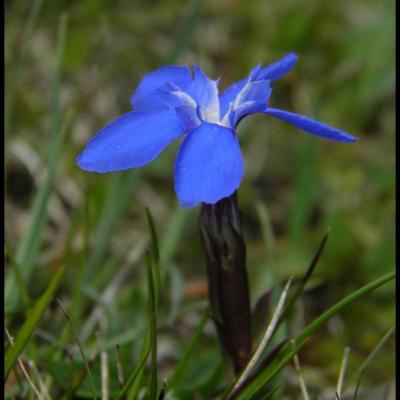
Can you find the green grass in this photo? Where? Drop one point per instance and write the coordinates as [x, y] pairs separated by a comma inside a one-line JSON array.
[[27, 329], [70, 69]]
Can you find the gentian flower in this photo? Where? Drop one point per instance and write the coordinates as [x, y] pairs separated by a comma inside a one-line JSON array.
[[169, 103]]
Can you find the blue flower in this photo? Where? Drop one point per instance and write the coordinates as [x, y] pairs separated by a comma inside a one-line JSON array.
[[170, 103]]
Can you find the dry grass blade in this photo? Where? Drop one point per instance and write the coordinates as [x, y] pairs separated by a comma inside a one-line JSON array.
[[104, 375], [42, 385], [137, 372], [120, 370], [264, 342], [163, 390], [23, 369], [342, 372], [298, 370]]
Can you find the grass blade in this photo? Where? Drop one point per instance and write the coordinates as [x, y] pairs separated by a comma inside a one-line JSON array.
[[342, 372], [21, 285], [302, 383], [136, 384], [120, 370], [358, 386], [142, 360], [32, 321], [155, 254], [154, 241], [104, 376], [23, 369], [152, 313], [287, 352], [339, 306]]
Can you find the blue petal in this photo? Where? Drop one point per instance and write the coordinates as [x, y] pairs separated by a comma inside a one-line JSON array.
[[185, 106], [132, 140], [209, 165], [173, 96], [252, 99], [146, 96], [205, 92], [273, 72], [312, 126], [188, 117], [278, 69], [228, 96]]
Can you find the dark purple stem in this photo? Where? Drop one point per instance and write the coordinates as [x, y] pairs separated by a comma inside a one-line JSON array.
[[225, 251]]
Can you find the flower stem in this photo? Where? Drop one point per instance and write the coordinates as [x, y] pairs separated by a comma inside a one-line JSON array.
[[225, 252]]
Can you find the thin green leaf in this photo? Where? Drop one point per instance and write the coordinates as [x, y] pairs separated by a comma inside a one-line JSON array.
[[23, 290], [358, 385], [270, 393], [137, 384], [31, 323], [120, 368], [339, 306], [139, 369], [154, 241], [152, 314], [287, 353], [154, 253], [181, 368]]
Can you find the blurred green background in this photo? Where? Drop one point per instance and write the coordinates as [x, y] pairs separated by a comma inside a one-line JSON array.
[[295, 186]]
